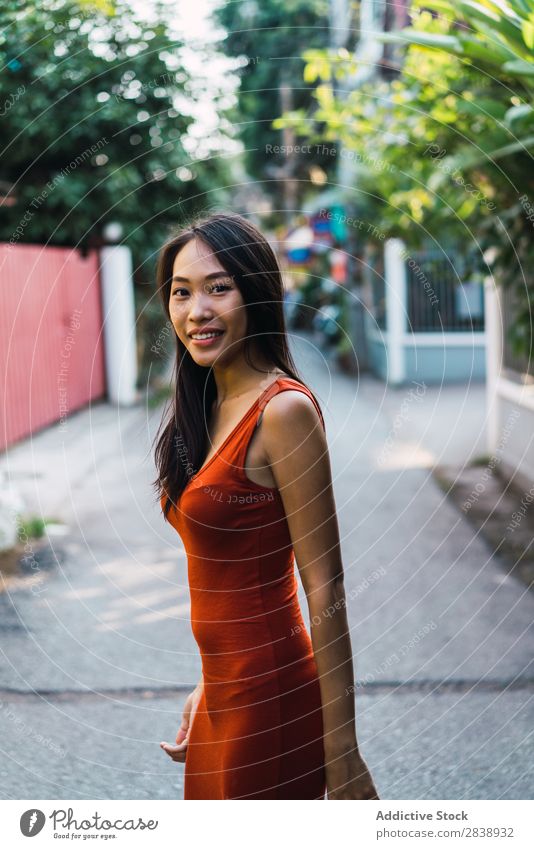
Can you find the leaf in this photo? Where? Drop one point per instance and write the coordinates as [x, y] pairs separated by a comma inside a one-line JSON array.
[[325, 95], [483, 106], [411, 36], [488, 51], [310, 72], [519, 67], [527, 29], [485, 17], [473, 158], [517, 113]]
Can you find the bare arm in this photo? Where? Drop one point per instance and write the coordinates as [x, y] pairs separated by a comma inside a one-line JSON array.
[[300, 464], [177, 750]]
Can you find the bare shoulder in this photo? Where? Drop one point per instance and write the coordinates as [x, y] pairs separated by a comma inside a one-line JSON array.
[[291, 416], [291, 405]]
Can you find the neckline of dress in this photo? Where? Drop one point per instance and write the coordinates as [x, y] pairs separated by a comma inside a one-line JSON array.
[[238, 425]]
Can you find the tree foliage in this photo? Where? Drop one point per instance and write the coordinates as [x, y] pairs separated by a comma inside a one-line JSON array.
[[271, 35], [94, 112], [453, 135]]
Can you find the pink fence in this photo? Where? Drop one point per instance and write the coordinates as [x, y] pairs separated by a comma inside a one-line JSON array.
[[51, 346]]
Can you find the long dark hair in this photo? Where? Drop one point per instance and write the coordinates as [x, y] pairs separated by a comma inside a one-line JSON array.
[[246, 255]]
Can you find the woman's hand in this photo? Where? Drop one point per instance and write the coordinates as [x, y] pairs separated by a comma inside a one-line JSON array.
[[178, 752], [349, 778]]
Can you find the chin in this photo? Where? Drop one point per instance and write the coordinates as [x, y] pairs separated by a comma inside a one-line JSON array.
[[204, 360], [207, 358]]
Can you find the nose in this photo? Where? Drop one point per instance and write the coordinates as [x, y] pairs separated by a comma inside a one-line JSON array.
[[199, 306]]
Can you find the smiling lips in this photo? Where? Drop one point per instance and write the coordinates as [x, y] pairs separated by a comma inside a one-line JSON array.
[[205, 337]]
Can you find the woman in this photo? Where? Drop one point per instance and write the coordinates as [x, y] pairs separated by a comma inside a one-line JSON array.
[[244, 477]]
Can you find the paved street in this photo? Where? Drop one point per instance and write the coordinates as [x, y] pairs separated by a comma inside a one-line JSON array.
[[97, 652]]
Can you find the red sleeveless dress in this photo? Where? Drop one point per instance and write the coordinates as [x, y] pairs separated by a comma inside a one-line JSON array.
[[258, 729]]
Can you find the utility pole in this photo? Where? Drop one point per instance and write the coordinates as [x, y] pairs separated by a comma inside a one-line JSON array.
[[287, 172], [340, 28], [339, 23]]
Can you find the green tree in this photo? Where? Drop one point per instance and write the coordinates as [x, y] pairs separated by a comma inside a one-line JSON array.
[[94, 113], [271, 35], [445, 150]]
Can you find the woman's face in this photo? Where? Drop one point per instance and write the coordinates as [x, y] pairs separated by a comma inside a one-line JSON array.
[[206, 298]]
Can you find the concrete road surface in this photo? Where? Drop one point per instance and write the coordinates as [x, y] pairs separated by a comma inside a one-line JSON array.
[[97, 654]]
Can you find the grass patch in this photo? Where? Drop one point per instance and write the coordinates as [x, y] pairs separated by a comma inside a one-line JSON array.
[[33, 527]]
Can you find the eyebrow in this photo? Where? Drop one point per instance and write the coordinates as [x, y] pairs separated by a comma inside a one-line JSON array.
[[213, 276]]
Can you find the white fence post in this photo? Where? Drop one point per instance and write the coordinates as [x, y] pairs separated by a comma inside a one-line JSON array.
[[11, 506], [119, 323], [395, 280], [493, 324]]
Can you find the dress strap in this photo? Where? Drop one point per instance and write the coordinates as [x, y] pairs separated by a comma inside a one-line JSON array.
[[236, 447], [281, 384]]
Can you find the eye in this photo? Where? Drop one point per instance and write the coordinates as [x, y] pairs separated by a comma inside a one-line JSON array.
[[220, 287], [178, 290]]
